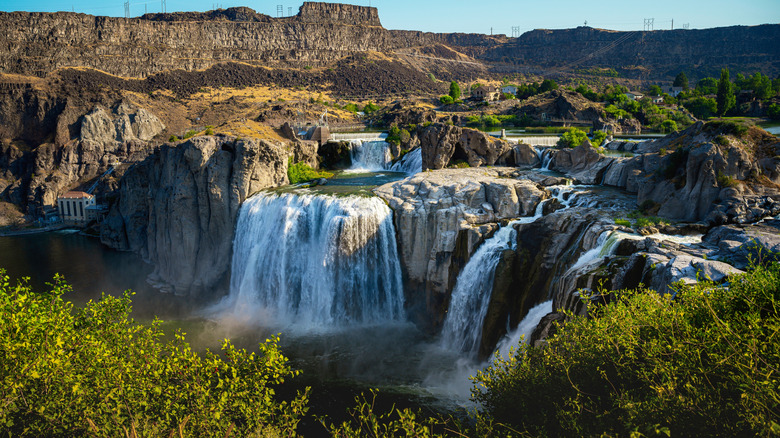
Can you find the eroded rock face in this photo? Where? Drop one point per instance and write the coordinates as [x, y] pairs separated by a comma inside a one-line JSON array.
[[125, 123], [444, 144], [178, 207], [440, 211]]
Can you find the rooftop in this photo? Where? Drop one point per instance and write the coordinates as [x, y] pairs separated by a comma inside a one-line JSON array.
[[76, 195]]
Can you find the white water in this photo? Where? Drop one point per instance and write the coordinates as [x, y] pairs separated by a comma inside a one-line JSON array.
[[370, 155], [546, 159], [547, 140], [411, 163], [315, 261], [368, 136], [524, 330]]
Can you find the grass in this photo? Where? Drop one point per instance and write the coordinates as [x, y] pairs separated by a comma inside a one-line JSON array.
[[302, 172]]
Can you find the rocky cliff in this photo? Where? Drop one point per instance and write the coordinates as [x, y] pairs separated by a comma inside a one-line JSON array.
[[178, 207], [38, 43]]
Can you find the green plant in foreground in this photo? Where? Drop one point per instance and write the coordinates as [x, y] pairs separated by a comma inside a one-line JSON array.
[[572, 138], [623, 222], [94, 371], [701, 363]]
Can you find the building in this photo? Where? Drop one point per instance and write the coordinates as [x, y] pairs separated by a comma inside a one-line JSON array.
[[672, 91], [657, 99], [486, 93], [73, 206], [633, 95], [511, 89]]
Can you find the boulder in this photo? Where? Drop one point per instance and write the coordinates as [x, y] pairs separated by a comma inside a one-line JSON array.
[[443, 144]]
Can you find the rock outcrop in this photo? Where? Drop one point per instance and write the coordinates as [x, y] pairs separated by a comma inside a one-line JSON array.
[[178, 207], [441, 216], [443, 145], [125, 123]]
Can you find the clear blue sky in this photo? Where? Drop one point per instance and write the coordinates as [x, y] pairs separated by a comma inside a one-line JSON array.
[[474, 16]]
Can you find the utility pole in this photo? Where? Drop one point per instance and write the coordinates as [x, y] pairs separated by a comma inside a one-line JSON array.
[[672, 23]]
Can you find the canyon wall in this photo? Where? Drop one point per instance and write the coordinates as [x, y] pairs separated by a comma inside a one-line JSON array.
[[38, 43]]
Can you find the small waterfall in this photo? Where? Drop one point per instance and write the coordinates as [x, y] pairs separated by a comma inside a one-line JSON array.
[[347, 136], [546, 159], [316, 261], [542, 140], [469, 303], [411, 163], [525, 329], [370, 155]]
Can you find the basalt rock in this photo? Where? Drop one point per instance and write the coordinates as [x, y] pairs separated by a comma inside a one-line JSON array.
[[440, 216], [443, 145], [178, 207]]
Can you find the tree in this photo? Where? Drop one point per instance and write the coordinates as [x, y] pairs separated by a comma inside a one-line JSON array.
[[446, 99], [701, 107], [668, 126], [681, 81], [707, 86], [454, 90], [726, 98], [572, 138], [773, 111], [548, 85], [655, 90]]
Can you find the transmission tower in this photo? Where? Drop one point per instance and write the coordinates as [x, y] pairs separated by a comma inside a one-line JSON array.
[[515, 31], [289, 11], [279, 10], [163, 6], [687, 26], [649, 23], [127, 9]]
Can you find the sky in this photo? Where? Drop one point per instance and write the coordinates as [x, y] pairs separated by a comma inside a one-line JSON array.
[[485, 16]]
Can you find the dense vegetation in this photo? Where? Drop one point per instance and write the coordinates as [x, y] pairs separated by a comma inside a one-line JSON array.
[[702, 362], [71, 372], [302, 172]]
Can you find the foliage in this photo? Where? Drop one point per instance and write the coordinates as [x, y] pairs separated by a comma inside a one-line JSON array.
[[547, 85], [701, 107], [616, 112], [209, 130], [446, 100], [370, 108], [726, 99], [707, 86], [302, 172], [681, 81], [701, 362], [599, 137], [351, 107], [668, 126], [94, 371], [726, 180], [572, 138], [773, 111], [587, 93], [454, 90], [173, 139], [650, 221], [655, 90], [623, 222], [190, 133]]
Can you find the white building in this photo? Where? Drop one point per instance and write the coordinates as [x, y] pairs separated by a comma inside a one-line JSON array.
[[633, 95], [672, 91], [511, 89], [73, 206]]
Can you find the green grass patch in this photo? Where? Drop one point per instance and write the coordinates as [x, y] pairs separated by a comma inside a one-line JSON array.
[[302, 172]]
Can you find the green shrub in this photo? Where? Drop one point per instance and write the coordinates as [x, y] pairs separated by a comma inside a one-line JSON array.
[[701, 364], [95, 372], [599, 137], [302, 172], [173, 139], [726, 180], [446, 100], [190, 133], [623, 222], [572, 138], [209, 130]]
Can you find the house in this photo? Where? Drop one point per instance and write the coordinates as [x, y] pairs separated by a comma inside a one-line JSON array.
[[485, 93], [511, 89], [672, 91], [633, 95], [73, 206], [657, 99]]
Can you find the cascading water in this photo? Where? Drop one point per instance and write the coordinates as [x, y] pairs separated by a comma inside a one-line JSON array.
[[411, 163], [370, 155], [546, 159], [316, 261], [524, 329]]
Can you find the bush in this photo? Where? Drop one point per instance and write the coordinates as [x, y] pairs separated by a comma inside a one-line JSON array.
[[599, 137], [773, 111], [701, 362], [209, 130], [446, 100], [726, 180], [95, 372], [173, 139], [370, 108], [572, 138], [302, 172], [190, 133], [623, 222]]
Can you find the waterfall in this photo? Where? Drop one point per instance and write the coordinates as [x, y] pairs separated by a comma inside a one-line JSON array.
[[542, 140], [370, 155], [470, 298], [316, 261], [525, 329], [410, 163], [546, 159]]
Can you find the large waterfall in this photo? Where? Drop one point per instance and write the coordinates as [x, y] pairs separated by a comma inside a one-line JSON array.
[[316, 261]]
